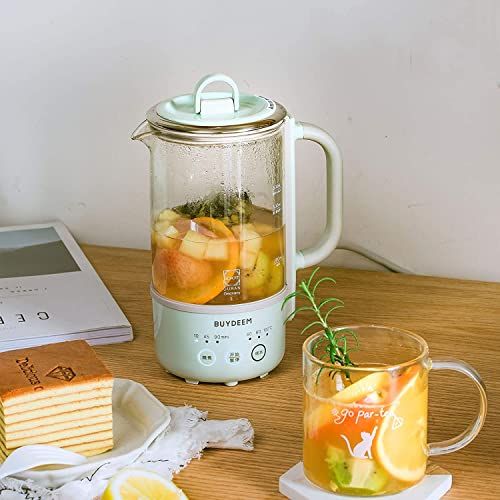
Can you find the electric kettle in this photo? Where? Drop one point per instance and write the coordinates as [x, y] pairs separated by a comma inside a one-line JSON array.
[[223, 230]]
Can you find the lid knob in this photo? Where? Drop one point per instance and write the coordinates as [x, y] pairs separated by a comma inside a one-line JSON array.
[[205, 105]]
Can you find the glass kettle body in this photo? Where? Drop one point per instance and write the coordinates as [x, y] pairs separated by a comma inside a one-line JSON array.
[[223, 233]]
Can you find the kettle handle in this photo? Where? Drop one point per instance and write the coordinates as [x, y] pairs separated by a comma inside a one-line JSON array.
[[333, 228]]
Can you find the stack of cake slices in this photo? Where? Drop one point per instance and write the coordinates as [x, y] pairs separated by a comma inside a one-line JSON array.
[[58, 394]]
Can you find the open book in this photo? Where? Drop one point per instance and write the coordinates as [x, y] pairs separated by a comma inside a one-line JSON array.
[[49, 292]]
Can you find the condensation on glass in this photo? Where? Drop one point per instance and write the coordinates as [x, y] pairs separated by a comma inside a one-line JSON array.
[[217, 227]]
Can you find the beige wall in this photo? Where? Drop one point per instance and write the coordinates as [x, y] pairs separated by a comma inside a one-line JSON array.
[[410, 89]]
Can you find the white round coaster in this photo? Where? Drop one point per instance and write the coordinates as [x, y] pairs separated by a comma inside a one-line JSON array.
[[295, 486]]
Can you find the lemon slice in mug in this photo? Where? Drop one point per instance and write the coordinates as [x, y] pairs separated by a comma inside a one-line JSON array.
[[373, 383], [401, 442], [140, 484]]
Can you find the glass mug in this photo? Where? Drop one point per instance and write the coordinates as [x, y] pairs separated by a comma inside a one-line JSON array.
[[365, 427]]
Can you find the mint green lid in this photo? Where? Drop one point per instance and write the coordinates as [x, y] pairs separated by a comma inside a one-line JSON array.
[[216, 109]]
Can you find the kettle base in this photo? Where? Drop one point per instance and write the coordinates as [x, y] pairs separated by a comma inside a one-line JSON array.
[[225, 347]]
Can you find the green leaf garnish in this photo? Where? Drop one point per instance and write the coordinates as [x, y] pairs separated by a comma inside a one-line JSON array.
[[336, 345], [229, 206]]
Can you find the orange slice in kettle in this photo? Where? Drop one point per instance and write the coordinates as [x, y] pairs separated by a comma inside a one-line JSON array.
[[183, 278]]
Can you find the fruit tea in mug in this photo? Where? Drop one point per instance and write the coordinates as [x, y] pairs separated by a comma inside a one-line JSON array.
[[365, 426]]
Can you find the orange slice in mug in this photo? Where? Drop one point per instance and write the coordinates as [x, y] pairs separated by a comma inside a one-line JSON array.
[[401, 445], [344, 414], [187, 279]]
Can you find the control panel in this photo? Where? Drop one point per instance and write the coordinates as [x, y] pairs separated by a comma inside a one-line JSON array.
[[256, 339], [220, 348]]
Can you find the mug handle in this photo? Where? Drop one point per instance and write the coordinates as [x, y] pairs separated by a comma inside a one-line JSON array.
[[463, 439], [328, 241]]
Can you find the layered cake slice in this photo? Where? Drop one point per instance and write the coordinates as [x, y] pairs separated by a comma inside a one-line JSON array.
[[58, 394]]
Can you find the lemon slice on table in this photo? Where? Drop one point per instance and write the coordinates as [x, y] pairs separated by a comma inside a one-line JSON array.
[[401, 442], [365, 386], [140, 484]]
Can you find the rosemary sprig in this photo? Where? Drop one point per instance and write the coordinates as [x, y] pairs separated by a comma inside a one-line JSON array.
[[337, 345]]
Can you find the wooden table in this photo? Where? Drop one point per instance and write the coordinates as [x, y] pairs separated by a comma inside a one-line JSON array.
[[458, 319]]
